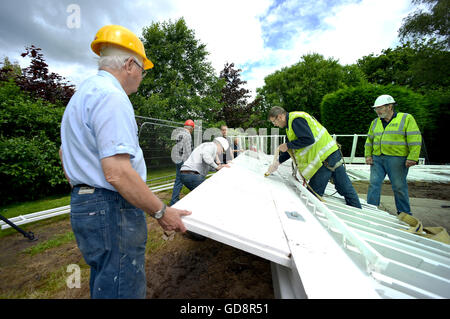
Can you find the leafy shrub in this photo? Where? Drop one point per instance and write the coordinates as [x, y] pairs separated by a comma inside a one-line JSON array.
[[29, 143], [349, 111], [30, 168], [21, 115], [435, 136]]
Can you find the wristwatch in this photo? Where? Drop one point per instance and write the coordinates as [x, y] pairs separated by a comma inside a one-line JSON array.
[[160, 213]]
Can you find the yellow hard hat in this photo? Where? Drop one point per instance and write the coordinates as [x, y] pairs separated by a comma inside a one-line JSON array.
[[121, 36]]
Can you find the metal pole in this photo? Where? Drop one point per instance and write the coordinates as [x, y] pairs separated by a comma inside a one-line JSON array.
[[355, 142], [28, 235]]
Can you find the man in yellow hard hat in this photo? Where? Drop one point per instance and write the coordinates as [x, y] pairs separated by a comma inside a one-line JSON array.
[[392, 146], [104, 163]]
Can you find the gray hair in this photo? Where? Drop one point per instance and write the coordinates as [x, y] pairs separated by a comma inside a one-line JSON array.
[[275, 111], [112, 62], [114, 57]]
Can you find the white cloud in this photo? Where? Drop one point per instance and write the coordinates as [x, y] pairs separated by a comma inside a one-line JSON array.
[[257, 35], [359, 29], [230, 29], [346, 32]]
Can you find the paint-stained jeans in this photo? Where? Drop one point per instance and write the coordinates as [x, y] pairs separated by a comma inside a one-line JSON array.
[[111, 235], [394, 167]]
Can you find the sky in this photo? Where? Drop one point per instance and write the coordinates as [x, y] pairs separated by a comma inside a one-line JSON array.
[[258, 36]]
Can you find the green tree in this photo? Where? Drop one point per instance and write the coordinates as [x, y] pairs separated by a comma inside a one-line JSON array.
[[432, 23], [9, 70], [418, 65], [303, 85], [235, 109], [182, 83]]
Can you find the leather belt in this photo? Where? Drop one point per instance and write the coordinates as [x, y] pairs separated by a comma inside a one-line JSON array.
[[190, 172]]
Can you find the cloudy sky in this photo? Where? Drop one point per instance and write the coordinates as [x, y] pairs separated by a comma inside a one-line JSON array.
[[258, 36]]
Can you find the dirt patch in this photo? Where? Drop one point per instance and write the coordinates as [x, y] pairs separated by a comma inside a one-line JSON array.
[[416, 189], [184, 268], [23, 275]]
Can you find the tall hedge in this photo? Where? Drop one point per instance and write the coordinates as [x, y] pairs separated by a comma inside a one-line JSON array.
[[436, 135], [349, 110], [29, 144]]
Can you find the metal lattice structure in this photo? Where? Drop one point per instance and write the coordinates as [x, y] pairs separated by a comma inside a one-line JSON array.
[[317, 249], [155, 139]]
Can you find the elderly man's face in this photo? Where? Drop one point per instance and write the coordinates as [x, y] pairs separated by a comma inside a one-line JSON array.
[[135, 73], [224, 130], [383, 110]]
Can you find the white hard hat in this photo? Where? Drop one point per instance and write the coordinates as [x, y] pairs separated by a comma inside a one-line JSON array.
[[223, 142], [383, 100]]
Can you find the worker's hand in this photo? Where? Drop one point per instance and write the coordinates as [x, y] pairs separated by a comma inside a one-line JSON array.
[[369, 160], [222, 166], [410, 163], [283, 147], [172, 219], [273, 168]]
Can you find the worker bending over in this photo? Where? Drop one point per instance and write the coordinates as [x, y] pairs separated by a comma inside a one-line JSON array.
[[316, 153], [201, 161], [197, 166]]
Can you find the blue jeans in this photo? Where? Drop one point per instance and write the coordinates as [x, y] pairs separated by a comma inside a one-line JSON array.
[[111, 235], [191, 181], [177, 186], [394, 167], [342, 182]]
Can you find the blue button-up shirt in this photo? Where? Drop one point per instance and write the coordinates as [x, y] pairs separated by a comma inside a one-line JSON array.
[[99, 122]]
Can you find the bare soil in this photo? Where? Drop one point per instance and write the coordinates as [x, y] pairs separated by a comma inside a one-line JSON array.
[[415, 189], [177, 267]]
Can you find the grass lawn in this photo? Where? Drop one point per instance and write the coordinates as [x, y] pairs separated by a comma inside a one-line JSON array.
[[160, 172], [55, 201], [23, 208], [17, 209]]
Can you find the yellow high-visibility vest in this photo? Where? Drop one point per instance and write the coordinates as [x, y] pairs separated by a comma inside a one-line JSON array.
[[309, 159], [401, 137]]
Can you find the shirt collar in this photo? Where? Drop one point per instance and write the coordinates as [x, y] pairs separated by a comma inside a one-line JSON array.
[[112, 78], [393, 116]]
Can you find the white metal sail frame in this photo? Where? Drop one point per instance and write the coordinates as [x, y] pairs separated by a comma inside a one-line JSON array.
[[234, 207], [419, 173], [330, 250]]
